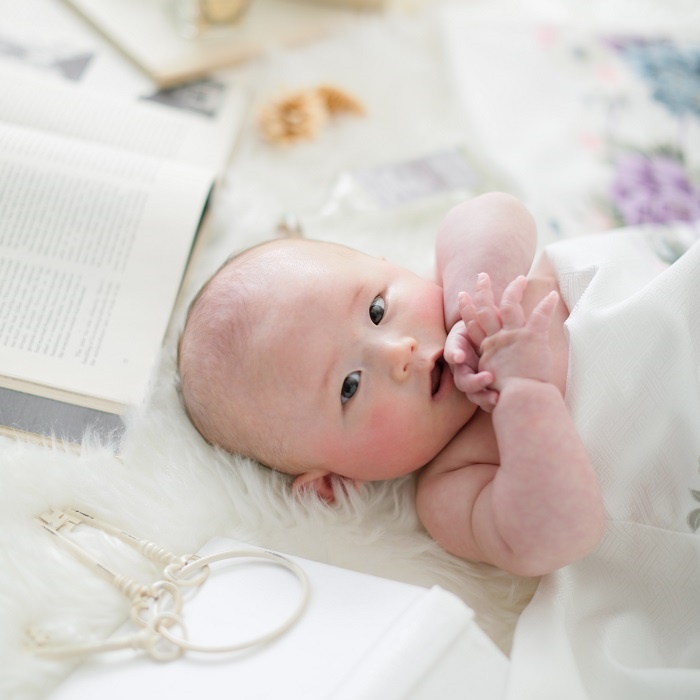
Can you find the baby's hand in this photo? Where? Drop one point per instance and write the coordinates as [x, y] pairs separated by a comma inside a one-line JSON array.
[[462, 357], [462, 350], [510, 346]]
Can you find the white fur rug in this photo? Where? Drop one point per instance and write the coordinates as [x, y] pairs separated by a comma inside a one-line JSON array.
[[172, 488]]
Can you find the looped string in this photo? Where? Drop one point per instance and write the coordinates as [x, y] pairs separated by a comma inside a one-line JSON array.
[[159, 597], [157, 609], [174, 571]]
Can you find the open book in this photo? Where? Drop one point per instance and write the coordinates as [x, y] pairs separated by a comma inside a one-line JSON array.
[[101, 201]]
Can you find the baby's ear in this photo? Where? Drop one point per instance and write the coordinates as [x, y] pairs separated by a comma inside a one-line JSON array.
[[321, 482]]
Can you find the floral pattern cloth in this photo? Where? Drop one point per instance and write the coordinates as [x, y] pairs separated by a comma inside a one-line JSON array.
[[671, 71], [593, 131], [657, 186]]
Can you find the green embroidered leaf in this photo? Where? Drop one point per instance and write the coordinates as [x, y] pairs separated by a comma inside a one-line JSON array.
[[695, 494], [694, 520]]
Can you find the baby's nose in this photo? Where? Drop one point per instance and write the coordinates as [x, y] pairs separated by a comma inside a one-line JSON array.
[[399, 353]]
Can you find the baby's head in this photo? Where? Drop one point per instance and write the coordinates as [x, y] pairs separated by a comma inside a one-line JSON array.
[[318, 360]]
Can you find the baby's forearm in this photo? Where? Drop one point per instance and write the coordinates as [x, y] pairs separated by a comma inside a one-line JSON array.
[[546, 501]]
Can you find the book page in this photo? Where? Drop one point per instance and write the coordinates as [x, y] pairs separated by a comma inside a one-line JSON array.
[[93, 246], [203, 135]]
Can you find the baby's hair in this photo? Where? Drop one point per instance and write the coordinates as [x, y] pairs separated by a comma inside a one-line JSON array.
[[214, 328], [188, 387], [211, 352]]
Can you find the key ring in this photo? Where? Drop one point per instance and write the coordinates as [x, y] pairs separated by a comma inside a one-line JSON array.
[[158, 608], [278, 559]]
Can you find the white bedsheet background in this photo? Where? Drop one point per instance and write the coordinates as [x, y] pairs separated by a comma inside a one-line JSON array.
[[624, 622]]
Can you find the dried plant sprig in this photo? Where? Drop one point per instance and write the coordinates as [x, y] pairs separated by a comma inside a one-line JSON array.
[[338, 101], [300, 115]]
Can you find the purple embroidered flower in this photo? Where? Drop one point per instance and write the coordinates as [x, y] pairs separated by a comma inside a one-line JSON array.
[[673, 72], [653, 188]]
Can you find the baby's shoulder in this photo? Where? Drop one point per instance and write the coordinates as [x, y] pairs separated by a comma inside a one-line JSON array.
[[542, 268], [541, 280]]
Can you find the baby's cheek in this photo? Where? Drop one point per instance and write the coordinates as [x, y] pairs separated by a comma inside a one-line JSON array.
[[392, 428], [383, 415]]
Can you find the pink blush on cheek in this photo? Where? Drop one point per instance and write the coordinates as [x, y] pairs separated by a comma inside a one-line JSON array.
[[389, 439], [380, 427]]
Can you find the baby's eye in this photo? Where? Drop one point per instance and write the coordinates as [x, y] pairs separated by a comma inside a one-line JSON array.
[[351, 384], [376, 310]]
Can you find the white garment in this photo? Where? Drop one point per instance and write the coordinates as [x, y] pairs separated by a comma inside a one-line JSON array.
[[625, 621]]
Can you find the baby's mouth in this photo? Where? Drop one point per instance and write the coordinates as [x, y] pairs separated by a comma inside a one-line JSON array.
[[436, 375]]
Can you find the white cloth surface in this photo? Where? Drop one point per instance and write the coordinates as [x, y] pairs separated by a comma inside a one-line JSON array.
[[377, 650], [624, 622]]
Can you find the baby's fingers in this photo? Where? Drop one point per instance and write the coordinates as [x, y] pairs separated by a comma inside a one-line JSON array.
[[512, 314], [541, 316], [470, 382], [486, 311], [466, 307], [457, 339], [468, 310]]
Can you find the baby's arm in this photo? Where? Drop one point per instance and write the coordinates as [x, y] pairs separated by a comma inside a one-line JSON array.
[[541, 508], [492, 233]]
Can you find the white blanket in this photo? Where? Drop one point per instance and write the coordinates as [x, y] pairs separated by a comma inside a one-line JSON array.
[[625, 621]]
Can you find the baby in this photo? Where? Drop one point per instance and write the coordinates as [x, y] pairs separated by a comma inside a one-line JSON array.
[[323, 362]]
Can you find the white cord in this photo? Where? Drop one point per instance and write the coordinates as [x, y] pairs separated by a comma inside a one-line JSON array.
[[158, 609], [262, 639]]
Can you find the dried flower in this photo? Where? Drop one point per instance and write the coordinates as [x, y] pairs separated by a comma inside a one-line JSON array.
[[337, 101], [294, 117], [300, 115]]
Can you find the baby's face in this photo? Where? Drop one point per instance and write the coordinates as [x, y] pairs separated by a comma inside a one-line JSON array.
[[348, 369]]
